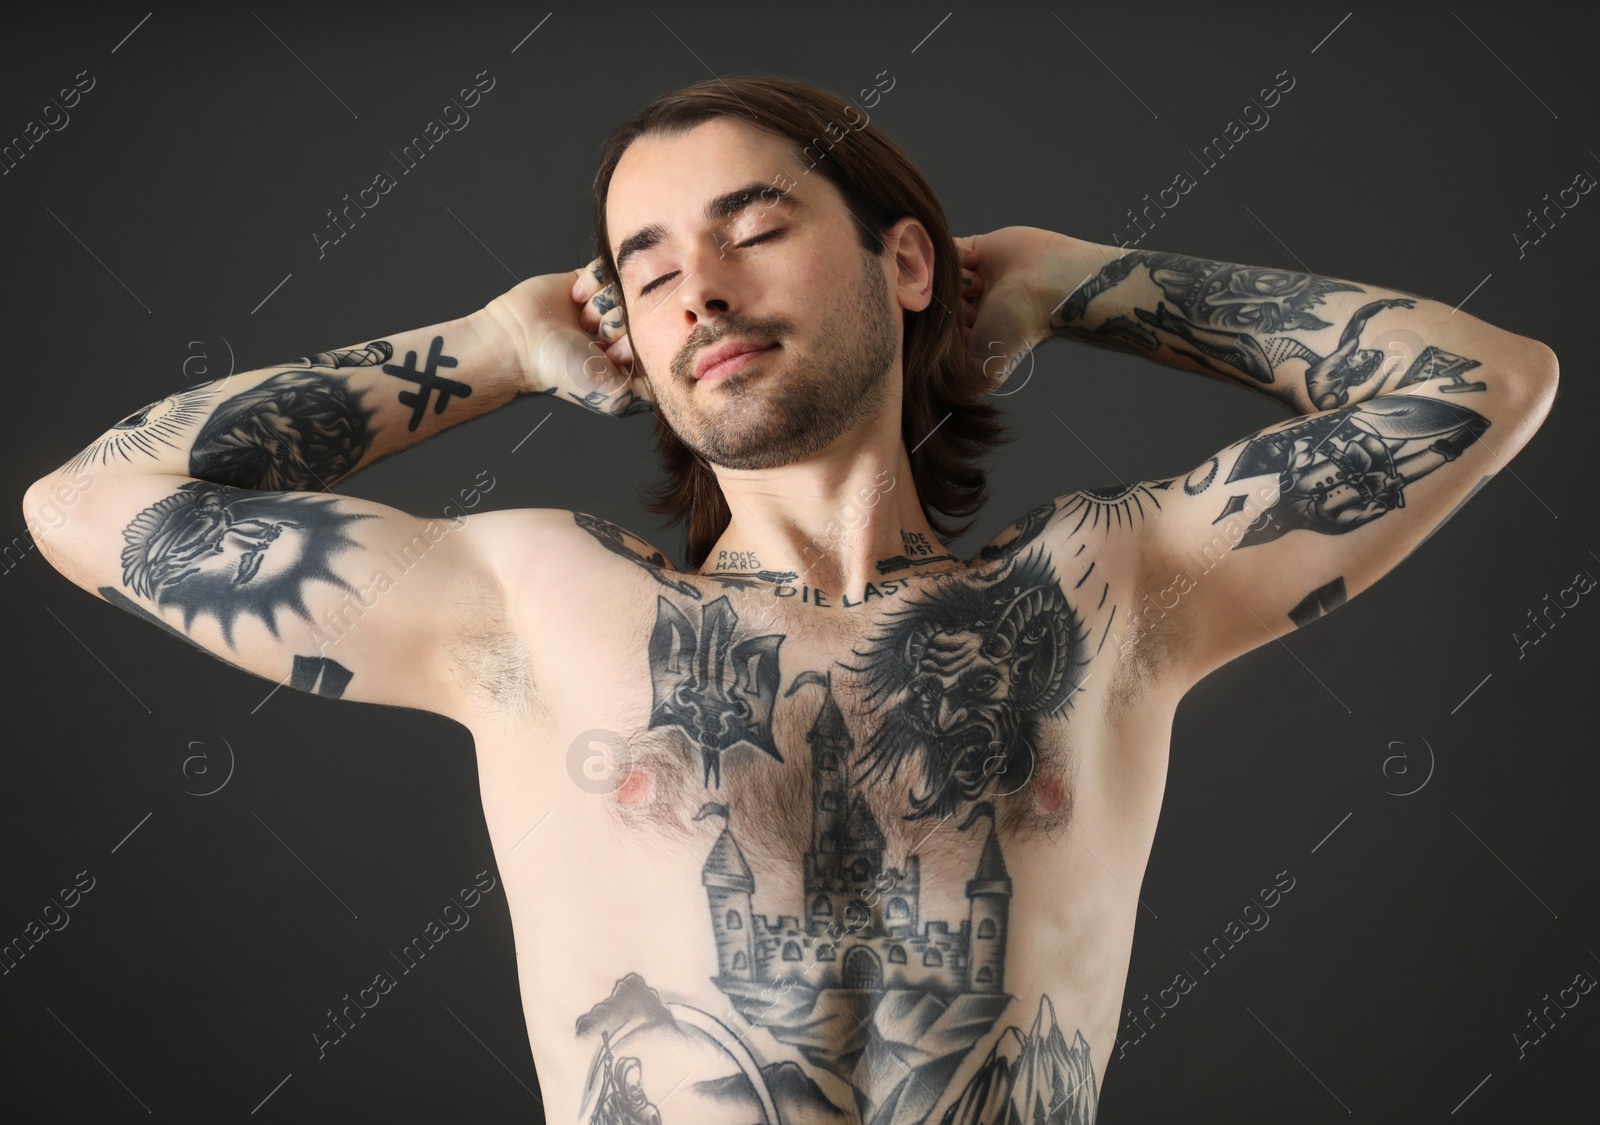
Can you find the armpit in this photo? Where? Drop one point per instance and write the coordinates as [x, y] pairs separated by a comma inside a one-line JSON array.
[[489, 660]]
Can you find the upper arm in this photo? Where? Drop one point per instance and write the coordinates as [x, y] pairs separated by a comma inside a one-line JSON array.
[[326, 593], [1287, 524]]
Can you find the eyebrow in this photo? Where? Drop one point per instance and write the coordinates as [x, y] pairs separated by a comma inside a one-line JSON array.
[[724, 206]]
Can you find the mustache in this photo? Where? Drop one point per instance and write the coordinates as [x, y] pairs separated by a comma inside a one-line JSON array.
[[768, 329]]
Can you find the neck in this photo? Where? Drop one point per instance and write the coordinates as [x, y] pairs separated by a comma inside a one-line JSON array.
[[837, 521]]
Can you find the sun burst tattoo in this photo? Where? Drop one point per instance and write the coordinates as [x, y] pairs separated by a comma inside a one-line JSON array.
[[212, 549], [148, 429], [1117, 503]]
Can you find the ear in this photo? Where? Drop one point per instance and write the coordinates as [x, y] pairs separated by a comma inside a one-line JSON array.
[[914, 263]]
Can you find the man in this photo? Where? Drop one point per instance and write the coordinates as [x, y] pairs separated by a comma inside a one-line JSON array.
[[846, 827]]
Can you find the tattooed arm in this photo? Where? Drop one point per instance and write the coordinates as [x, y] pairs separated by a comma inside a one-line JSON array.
[[1312, 343], [202, 513], [1408, 406]]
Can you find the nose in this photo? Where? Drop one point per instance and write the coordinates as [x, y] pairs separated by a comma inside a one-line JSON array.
[[710, 286], [950, 713]]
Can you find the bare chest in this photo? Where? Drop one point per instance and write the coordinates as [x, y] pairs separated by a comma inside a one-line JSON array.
[[746, 805], [931, 703]]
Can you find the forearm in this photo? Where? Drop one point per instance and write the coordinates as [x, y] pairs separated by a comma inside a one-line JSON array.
[[307, 424], [1313, 343]]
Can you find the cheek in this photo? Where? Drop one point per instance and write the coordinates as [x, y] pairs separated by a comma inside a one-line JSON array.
[[651, 358]]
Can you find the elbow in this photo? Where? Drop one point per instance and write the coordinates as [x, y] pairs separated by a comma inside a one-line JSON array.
[[41, 513], [1545, 362], [47, 508], [1530, 375], [1543, 375], [37, 500]]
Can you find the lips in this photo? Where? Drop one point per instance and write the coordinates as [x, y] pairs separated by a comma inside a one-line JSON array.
[[713, 356]]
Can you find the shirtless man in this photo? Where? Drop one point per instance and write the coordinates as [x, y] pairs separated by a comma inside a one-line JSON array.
[[840, 826]]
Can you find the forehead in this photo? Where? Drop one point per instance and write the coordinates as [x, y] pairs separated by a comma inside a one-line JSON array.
[[668, 179]]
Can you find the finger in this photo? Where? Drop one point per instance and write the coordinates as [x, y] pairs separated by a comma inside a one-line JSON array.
[[583, 282], [612, 326], [598, 306], [621, 355], [589, 279]]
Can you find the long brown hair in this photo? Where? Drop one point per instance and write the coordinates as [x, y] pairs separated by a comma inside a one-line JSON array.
[[944, 422]]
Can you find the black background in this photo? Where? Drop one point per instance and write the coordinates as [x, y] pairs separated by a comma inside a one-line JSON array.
[[1389, 981]]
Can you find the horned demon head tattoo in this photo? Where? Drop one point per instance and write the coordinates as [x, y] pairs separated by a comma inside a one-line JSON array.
[[965, 676]]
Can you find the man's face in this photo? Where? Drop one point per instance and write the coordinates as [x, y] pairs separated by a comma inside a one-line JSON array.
[[785, 269]]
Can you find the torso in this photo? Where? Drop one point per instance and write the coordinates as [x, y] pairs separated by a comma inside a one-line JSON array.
[[741, 848]]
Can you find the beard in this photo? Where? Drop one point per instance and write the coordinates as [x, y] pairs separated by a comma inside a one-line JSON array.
[[819, 398]]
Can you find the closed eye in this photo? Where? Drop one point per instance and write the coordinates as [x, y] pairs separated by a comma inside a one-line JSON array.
[[748, 242]]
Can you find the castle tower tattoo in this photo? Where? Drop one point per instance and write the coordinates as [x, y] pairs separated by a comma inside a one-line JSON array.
[[859, 977], [990, 893], [860, 929], [729, 885]]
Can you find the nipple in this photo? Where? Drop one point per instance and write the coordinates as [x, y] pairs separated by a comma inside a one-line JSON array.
[[633, 787], [1047, 793]]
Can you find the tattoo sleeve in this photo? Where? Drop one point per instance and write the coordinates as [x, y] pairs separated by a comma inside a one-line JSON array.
[[1312, 343], [305, 425]]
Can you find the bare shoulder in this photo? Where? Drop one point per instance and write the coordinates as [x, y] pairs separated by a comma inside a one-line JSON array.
[[544, 561], [556, 545], [553, 575]]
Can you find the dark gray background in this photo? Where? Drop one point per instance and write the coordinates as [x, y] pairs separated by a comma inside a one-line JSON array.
[[1389, 981]]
